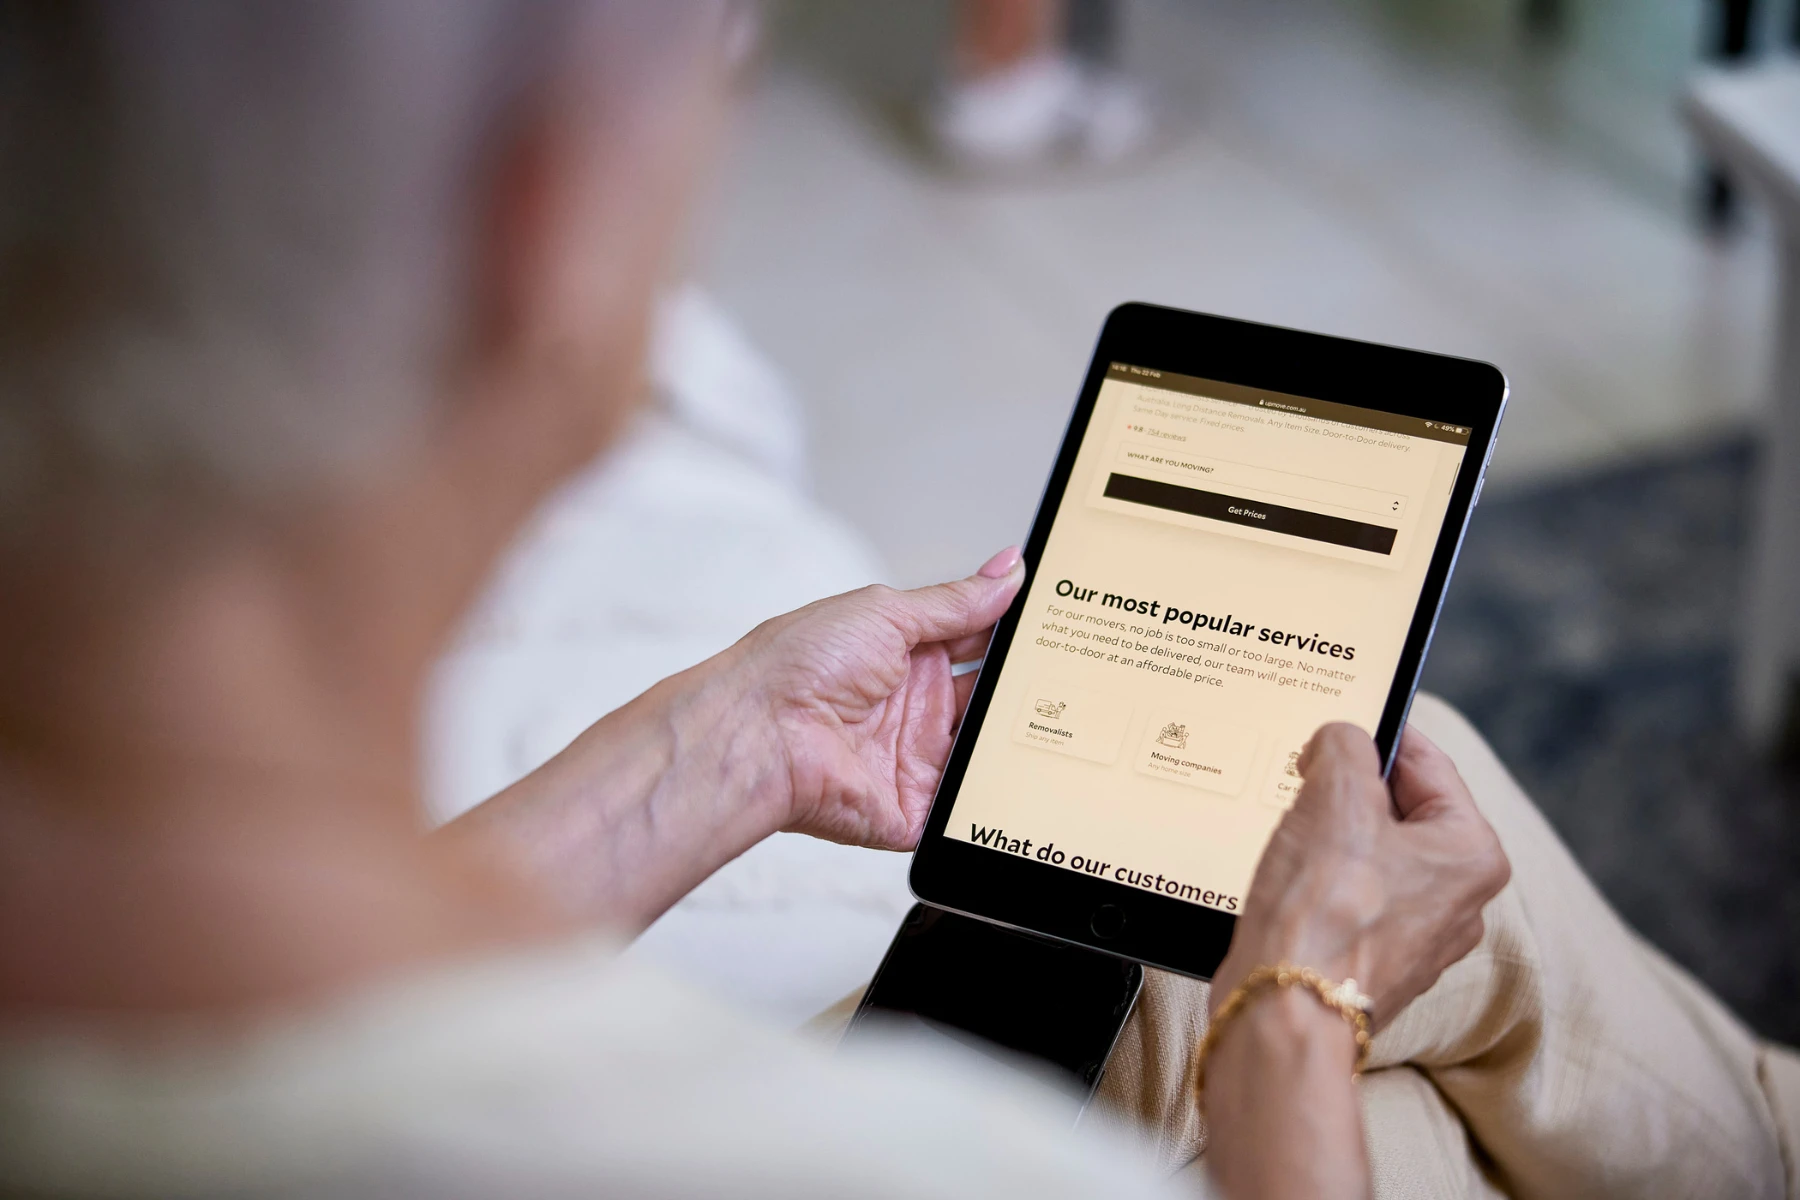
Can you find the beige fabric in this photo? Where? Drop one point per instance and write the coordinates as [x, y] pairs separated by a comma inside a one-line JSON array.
[[1149, 1080], [1564, 1057], [1418, 1146]]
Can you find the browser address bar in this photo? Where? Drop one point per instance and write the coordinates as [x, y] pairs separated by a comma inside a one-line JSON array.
[[1266, 481]]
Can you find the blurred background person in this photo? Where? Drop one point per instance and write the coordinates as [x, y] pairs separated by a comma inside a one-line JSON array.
[[1036, 82]]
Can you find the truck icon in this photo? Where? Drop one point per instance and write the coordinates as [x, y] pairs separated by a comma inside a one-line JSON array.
[[1173, 736], [1050, 709]]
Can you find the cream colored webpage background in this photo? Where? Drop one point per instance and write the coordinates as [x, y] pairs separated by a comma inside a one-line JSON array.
[[1159, 752]]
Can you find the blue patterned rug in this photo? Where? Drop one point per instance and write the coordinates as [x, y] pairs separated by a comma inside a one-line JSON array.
[[1589, 633]]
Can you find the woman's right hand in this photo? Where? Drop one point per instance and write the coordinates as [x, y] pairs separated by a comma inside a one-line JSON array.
[[1360, 883]]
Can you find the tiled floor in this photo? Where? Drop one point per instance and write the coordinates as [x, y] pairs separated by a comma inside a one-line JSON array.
[[1321, 173]]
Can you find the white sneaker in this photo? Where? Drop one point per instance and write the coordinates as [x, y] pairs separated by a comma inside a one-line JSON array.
[[1046, 109], [1118, 121]]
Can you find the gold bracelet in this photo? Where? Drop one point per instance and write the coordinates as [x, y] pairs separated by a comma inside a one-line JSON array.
[[1344, 998]]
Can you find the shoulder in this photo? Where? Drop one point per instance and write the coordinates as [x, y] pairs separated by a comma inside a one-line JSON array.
[[573, 1071]]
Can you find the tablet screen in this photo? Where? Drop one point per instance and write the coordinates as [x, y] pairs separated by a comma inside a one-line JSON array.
[[1228, 569]]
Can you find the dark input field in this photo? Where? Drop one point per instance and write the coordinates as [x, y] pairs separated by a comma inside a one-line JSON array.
[[1295, 522]]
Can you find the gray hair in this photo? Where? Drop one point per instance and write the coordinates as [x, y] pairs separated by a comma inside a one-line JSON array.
[[234, 234]]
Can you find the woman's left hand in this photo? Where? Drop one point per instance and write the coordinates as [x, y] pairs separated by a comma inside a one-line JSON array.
[[858, 694]]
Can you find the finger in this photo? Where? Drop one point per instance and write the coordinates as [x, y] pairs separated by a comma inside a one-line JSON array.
[[948, 612], [1339, 767], [964, 686], [1001, 565], [971, 648], [1469, 937], [1457, 943], [1423, 773], [1339, 746]]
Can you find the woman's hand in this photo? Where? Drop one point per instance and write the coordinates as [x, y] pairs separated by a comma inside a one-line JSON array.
[[1385, 888], [860, 704], [835, 720], [1356, 884]]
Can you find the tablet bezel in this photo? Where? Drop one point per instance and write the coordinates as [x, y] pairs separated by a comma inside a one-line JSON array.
[[1113, 917]]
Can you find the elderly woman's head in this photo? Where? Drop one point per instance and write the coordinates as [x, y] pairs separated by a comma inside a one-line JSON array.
[[345, 286], [251, 250]]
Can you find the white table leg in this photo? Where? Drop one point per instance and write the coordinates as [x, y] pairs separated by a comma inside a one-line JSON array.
[[1769, 671]]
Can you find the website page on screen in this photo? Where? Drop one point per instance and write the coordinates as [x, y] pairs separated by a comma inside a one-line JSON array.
[[1228, 570]]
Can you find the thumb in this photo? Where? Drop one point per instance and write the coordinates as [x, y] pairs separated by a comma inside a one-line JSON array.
[[1340, 765], [1423, 774], [946, 611]]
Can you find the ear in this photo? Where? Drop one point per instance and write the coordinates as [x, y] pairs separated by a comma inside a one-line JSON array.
[[513, 237], [574, 237]]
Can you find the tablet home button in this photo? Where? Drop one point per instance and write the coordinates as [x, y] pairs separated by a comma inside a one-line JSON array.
[[1108, 921]]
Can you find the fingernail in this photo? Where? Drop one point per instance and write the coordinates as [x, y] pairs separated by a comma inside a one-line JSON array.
[[1001, 565]]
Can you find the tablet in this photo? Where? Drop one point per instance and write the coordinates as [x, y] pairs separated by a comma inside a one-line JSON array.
[[1247, 534]]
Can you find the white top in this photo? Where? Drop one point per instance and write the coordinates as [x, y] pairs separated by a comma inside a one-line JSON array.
[[556, 1073]]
